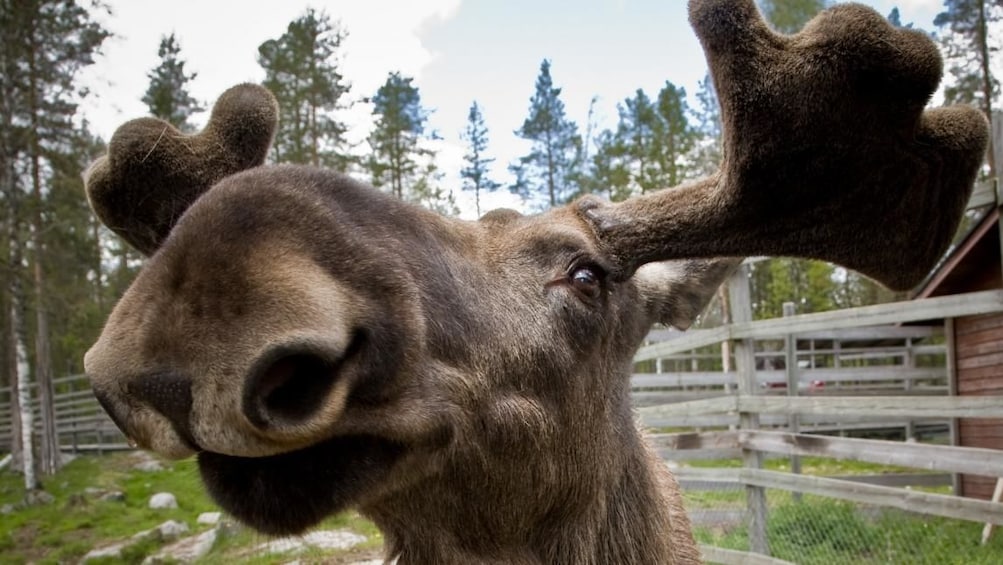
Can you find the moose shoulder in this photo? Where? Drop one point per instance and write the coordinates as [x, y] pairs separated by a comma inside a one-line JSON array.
[[319, 345]]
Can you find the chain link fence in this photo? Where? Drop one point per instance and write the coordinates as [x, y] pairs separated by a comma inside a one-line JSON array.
[[809, 529]]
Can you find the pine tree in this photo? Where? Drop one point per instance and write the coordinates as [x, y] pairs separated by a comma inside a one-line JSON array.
[[302, 69], [707, 154], [46, 43], [401, 158], [967, 28], [167, 96], [789, 16], [551, 166], [675, 137], [610, 168], [638, 131], [475, 173]]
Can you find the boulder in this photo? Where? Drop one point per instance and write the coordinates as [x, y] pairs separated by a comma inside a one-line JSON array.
[[163, 500], [209, 518]]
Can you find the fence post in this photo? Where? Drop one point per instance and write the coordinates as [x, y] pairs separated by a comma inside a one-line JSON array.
[[910, 363], [745, 365], [950, 346], [793, 389]]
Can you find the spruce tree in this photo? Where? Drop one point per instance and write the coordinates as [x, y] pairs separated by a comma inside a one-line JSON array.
[[706, 155], [610, 167], [401, 159], [789, 16], [675, 137], [551, 166], [638, 132], [46, 43], [967, 29], [167, 96], [475, 172], [302, 69]]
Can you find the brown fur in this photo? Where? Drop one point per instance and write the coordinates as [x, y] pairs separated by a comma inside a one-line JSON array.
[[320, 345], [828, 153]]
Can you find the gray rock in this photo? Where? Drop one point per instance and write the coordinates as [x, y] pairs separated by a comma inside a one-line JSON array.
[[91, 491], [113, 551], [209, 518], [323, 539], [7, 509], [38, 498], [113, 496], [172, 529], [186, 550], [163, 500], [149, 466]]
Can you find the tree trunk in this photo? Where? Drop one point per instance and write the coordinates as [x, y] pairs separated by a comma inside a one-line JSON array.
[[43, 371], [987, 79], [19, 364]]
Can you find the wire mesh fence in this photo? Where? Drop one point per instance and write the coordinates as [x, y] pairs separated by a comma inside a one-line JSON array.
[[809, 529]]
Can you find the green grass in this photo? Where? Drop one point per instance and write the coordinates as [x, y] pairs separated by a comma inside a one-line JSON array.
[[75, 522]]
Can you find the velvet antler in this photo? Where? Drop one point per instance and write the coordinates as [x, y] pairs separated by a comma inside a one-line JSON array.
[[827, 151], [153, 172]]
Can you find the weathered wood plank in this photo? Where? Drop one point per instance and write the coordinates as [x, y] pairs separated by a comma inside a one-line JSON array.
[[984, 194], [970, 324], [694, 378], [712, 554], [874, 333], [692, 339], [888, 406], [914, 501], [696, 408], [705, 440], [895, 312], [929, 457]]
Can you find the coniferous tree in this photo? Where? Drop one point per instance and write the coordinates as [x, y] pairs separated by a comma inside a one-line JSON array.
[[707, 154], [789, 16], [402, 159], [167, 96], [475, 172], [638, 131], [46, 43], [968, 28], [551, 166], [610, 167], [675, 137], [302, 69]]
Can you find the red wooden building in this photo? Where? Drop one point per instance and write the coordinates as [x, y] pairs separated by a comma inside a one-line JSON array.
[[974, 265]]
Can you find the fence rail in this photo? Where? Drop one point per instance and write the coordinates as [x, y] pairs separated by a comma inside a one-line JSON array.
[[795, 386]]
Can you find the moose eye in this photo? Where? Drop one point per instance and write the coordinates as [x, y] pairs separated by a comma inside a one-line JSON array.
[[587, 281]]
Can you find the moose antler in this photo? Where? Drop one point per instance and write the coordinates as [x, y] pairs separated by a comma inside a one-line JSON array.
[[827, 151], [153, 172]]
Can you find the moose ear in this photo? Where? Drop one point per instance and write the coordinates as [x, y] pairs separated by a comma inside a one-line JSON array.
[[153, 172], [677, 291], [827, 152]]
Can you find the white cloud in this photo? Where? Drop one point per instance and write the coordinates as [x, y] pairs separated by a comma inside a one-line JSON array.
[[219, 40]]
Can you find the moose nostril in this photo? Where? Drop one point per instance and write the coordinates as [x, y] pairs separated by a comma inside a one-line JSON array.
[[289, 389], [170, 394]]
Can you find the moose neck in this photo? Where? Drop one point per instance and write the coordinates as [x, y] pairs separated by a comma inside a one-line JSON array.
[[608, 499]]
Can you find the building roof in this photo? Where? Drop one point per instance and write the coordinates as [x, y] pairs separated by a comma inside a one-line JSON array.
[[973, 264]]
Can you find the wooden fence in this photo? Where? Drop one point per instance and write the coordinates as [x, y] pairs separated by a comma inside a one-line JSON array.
[[81, 424], [799, 384]]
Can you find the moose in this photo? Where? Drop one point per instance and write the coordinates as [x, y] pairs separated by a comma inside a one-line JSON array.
[[319, 345]]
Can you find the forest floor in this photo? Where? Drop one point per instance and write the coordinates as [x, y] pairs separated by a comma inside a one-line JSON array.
[[101, 502]]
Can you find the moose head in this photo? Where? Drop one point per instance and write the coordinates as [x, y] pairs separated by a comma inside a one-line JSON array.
[[319, 345]]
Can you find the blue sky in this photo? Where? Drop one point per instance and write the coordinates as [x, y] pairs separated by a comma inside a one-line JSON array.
[[457, 50]]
